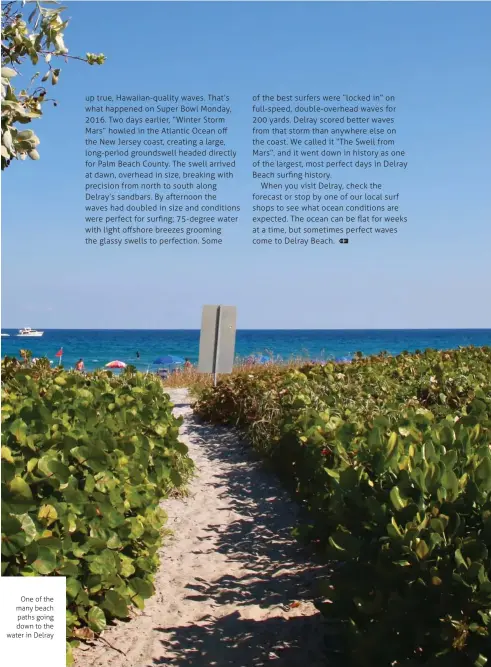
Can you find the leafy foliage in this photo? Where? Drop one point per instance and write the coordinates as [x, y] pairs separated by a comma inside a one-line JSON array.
[[391, 457], [39, 36], [85, 462]]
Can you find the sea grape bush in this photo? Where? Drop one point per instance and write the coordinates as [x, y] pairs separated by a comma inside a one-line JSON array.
[[85, 462], [391, 456], [406, 509]]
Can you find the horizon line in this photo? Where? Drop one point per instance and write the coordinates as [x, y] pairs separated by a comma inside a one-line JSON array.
[[265, 329]]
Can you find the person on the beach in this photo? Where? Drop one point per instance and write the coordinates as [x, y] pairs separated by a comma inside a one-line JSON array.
[[79, 366], [187, 364]]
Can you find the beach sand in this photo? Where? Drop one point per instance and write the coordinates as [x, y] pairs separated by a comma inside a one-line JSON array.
[[228, 574]]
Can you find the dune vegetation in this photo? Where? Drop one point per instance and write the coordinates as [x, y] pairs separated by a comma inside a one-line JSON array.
[[86, 459], [390, 458]]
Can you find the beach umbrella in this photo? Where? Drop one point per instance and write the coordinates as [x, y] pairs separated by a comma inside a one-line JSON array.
[[167, 360], [263, 359], [116, 364], [59, 354]]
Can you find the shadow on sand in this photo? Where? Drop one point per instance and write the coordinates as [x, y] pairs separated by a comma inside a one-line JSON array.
[[278, 572], [234, 641]]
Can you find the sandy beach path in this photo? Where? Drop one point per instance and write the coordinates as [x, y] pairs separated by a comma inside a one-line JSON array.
[[228, 574]]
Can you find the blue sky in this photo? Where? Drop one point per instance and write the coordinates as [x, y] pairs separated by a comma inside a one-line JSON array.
[[434, 57]]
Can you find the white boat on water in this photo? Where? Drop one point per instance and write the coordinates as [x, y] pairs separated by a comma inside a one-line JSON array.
[[27, 331], [5, 334]]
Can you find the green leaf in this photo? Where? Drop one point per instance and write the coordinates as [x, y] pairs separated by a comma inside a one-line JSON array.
[[375, 438], [396, 499], [8, 471], [19, 430], [459, 559], [103, 564], [45, 562], [73, 587], [69, 569], [31, 464], [96, 619], [143, 588], [483, 471], [115, 604], [450, 482], [60, 470], [69, 655], [21, 490], [391, 444], [345, 543], [393, 529], [47, 514], [176, 478], [127, 567], [422, 550], [437, 526], [7, 454], [28, 528], [348, 478]]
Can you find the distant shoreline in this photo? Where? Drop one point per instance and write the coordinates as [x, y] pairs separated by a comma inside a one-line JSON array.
[[415, 329]]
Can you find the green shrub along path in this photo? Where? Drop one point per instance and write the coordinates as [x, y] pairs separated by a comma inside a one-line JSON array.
[[381, 468], [85, 463], [391, 460], [234, 587], [93, 473]]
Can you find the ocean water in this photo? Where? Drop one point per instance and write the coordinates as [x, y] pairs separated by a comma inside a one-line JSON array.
[[98, 347]]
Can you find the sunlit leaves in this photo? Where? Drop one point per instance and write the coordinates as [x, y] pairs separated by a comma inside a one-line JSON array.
[[80, 494], [27, 37], [391, 458]]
